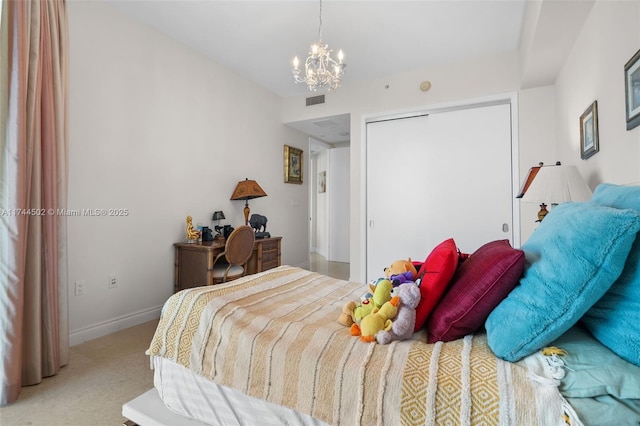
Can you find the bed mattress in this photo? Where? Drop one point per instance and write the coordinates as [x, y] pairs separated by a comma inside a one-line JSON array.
[[195, 397]]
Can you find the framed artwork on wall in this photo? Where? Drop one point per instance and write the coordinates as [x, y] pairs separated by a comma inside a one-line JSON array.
[[293, 162], [632, 90], [589, 143], [322, 182]]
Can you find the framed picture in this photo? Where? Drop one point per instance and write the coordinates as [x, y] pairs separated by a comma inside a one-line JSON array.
[[293, 163], [632, 90], [322, 182], [589, 144]]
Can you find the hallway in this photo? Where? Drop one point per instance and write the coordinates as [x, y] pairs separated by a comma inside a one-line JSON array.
[[321, 265]]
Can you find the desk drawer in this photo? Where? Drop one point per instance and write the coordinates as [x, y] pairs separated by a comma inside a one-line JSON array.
[[268, 245], [270, 260]]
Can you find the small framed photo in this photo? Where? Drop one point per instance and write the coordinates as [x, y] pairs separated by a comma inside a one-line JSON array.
[[632, 90], [589, 144], [322, 182], [293, 162]]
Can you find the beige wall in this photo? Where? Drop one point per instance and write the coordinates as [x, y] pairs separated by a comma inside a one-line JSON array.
[[154, 126], [460, 83], [548, 116], [595, 71], [163, 132]]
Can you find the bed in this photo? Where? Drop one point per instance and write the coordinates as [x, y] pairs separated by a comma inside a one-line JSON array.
[[531, 341]]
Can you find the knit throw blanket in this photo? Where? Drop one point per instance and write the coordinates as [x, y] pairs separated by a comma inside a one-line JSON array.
[[275, 336]]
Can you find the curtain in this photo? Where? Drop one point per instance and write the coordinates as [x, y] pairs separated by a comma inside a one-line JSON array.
[[33, 192]]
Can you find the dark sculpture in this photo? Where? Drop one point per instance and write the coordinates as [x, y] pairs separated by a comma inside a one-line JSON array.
[[258, 222]]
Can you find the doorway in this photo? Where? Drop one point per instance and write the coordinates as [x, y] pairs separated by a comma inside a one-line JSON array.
[[329, 186]]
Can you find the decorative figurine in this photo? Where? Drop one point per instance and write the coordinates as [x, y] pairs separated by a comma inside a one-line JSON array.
[[192, 234], [258, 222]]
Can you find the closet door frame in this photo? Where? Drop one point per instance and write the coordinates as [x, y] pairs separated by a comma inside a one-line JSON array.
[[503, 99]]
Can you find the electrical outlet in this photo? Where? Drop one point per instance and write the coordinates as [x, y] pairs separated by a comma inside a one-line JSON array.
[[81, 288], [113, 281]]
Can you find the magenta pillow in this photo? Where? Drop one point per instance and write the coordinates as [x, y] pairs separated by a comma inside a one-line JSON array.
[[434, 275], [478, 286]]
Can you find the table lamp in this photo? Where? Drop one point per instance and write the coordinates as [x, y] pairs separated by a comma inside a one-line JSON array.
[[554, 185], [246, 190]]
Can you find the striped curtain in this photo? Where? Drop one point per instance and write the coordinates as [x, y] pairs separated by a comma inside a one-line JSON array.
[[33, 186]]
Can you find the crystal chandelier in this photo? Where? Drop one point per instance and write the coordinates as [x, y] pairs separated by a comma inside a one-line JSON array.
[[320, 69]]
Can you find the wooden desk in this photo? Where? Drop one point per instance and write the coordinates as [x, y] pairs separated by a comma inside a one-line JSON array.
[[194, 262]]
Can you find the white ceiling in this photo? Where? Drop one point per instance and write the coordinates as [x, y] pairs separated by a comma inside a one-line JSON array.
[[258, 39]]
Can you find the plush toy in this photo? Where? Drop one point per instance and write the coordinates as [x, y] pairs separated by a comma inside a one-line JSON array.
[[398, 279], [378, 320], [404, 322], [353, 313], [347, 316], [401, 267]]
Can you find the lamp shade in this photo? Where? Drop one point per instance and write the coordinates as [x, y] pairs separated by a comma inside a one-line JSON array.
[[247, 189], [218, 215], [557, 184]]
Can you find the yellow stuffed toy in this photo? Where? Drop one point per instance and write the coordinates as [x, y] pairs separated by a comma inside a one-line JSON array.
[[354, 312], [404, 270], [379, 320]]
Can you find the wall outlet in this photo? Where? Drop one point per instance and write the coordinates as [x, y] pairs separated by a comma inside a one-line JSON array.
[[81, 288], [113, 281]]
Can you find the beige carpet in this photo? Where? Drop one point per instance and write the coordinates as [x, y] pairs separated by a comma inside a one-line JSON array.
[[102, 375]]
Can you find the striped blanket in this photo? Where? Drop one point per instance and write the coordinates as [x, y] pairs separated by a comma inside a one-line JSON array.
[[274, 336]]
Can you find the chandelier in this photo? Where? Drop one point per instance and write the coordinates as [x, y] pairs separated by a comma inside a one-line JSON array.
[[320, 69]]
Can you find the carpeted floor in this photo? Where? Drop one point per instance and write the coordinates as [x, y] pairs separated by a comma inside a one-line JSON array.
[[102, 375]]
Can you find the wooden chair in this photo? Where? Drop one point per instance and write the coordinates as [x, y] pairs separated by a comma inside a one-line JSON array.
[[237, 251]]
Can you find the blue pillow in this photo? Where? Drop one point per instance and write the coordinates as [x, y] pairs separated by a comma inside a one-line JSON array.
[[572, 259], [615, 319]]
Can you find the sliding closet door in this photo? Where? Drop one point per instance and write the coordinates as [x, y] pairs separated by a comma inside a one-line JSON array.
[[430, 178]]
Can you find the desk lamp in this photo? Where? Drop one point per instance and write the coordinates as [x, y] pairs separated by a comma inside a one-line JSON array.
[[246, 190], [218, 216]]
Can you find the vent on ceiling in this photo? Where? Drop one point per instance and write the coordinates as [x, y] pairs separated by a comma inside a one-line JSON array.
[[315, 100], [326, 123]]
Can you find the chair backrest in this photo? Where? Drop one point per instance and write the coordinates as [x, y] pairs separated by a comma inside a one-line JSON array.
[[239, 245]]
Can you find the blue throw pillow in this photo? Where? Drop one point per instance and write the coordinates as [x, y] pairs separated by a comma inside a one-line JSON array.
[[615, 319], [572, 259]]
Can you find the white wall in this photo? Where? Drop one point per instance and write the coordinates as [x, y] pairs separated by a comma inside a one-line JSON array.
[[338, 188], [321, 219], [537, 143], [330, 209], [548, 116], [595, 71], [452, 83], [163, 132]]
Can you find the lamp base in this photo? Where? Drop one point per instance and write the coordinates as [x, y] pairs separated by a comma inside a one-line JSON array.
[[246, 213], [543, 212]]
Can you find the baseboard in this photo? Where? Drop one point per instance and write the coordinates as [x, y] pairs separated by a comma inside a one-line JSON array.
[[111, 326]]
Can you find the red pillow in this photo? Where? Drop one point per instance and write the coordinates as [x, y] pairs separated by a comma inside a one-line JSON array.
[[478, 286], [435, 274]]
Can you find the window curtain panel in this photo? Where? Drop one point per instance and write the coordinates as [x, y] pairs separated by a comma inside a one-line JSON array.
[[34, 335]]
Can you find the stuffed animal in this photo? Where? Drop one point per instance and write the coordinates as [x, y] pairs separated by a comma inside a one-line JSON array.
[[353, 313], [401, 267], [347, 316], [398, 279], [381, 295], [378, 320], [404, 322]]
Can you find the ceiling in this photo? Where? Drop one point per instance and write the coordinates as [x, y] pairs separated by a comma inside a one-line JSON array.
[[258, 39]]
